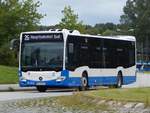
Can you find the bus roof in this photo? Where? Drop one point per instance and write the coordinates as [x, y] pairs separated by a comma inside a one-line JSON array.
[[118, 37], [77, 33]]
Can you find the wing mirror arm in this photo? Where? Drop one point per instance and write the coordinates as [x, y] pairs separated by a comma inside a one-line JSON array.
[[14, 44]]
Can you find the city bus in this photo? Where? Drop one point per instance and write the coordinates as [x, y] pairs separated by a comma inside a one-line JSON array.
[[66, 58]]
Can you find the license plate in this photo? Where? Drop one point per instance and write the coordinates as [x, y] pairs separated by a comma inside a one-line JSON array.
[[41, 83]]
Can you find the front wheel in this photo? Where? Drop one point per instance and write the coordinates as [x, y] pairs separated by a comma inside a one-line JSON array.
[[84, 83], [41, 88]]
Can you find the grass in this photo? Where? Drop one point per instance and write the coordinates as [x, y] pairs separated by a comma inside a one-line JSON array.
[[124, 95], [8, 75]]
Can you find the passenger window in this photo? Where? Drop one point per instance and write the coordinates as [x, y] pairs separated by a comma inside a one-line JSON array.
[[71, 47]]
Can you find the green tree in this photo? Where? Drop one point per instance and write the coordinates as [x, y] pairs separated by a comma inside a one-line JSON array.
[[109, 33], [70, 20], [17, 16], [107, 27], [137, 17]]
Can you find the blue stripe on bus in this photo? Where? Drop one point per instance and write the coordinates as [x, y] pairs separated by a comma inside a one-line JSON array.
[[65, 73], [76, 81]]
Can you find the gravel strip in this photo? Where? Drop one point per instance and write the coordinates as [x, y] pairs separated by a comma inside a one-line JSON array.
[[50, 105]]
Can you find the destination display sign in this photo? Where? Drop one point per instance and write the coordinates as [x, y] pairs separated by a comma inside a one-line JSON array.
[[42, 37]]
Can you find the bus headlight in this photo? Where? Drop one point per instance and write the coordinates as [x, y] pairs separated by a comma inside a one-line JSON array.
[[60, 78], [23, 79]]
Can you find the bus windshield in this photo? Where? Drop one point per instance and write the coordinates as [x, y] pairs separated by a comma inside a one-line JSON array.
[[42, 56]]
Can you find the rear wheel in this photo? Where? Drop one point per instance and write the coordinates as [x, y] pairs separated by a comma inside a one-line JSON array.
[[41, 88], [84, 82]]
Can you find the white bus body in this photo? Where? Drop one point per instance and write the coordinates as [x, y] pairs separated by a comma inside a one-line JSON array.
[[62, 58]]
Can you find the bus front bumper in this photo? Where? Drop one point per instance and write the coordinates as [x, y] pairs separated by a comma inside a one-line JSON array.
[[69, 82]]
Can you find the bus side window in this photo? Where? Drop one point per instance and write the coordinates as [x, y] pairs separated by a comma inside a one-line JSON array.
[[131, 53], [71, 48], [83, 51], [95, 53]]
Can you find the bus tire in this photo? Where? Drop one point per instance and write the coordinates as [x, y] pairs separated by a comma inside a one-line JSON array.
[[84, 82], [41, 88], [119, 80]]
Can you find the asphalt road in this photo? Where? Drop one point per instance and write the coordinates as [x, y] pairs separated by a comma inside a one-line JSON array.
[[5, 96]]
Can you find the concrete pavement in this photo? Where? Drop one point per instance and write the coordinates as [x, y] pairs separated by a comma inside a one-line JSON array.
[[15, 92], [6, 96]]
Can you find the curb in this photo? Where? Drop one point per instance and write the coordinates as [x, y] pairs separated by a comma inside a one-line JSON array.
[[14, 87]]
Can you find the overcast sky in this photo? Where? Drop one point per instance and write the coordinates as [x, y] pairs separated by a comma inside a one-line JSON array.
[[89, 11]]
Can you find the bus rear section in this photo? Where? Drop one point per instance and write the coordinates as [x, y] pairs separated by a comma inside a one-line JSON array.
[[99, 60]]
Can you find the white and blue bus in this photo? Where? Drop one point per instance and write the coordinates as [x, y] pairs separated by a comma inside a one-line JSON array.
[[64, 58]]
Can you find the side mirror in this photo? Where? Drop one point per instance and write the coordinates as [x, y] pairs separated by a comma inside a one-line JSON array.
[[14, 44]]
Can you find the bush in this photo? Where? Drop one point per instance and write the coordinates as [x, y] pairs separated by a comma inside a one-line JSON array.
[[8, 57]]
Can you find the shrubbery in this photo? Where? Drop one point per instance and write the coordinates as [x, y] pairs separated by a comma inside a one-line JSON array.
[[16, 16], [7, 56]]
